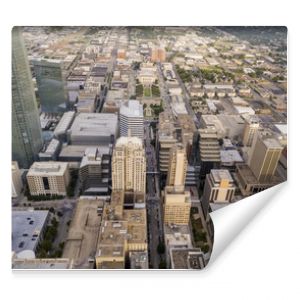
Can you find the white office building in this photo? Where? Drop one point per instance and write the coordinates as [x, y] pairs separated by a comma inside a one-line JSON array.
[[132, 119]]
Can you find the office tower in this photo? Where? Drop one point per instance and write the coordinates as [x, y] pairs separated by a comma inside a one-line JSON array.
[[251, 127], [219, 187], [129, 165], [177, 206], [264, 156], [95, 172], [177, 166], [209, 150], [16, 179], [166, 138], [260, 172], [158, 55], [51, 85], [26, 128], [132, 119], [177, 201], [48, 178]]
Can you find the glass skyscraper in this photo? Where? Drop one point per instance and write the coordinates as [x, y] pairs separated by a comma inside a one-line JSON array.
[[26, 128], [51, 85]]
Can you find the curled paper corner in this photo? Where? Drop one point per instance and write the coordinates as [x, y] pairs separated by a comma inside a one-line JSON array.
[[230, 221]]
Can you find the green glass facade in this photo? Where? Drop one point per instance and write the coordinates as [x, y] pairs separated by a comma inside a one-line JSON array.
[[26, 128]]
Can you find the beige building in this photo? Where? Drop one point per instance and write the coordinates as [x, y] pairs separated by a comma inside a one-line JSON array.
[[80, 245], [137, 229], [177, 206], [48, 178], [166, 138], [260, 173], [219, 187], [158, 55], [129, 165], [209, 145], [264, 158], [16, 180], [112, 245], [177, 166], [123, 234], [251, 127]]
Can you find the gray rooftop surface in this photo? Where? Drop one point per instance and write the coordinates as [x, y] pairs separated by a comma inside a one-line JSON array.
[[26, 227]]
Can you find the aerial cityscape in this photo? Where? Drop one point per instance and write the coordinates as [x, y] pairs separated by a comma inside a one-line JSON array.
[[125, 139]]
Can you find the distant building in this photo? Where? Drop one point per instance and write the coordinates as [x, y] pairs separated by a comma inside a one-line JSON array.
[[51, 85], [129, 165], [16, 180], [158, 55], [219, 187], [132, 119], [48, 178], [26, 128], [251, 127]]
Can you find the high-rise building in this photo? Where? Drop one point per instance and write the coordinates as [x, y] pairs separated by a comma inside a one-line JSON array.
[[132, 119], [95, 172], [166, 138], [260, 172], [177, 206], [209, 148], [177, 201], [177, 166], [219, 187], [26, 128], [48, 178], [251, 127], [16, 180], [265, 156], [129, 165], [51, 85]]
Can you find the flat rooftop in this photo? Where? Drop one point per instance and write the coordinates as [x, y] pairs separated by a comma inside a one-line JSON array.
[[81, 242], [137, 225], [221, 174], [187, 259], [138, 260], [94, 124], [41, 263], [132, 108], [46, 168], [112, 239], [26, 228]]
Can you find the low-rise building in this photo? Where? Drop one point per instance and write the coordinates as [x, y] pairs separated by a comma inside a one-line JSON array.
[[28, 227]]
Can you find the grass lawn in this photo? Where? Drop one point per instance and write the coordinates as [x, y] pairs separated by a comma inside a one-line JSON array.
[[147, 92]]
